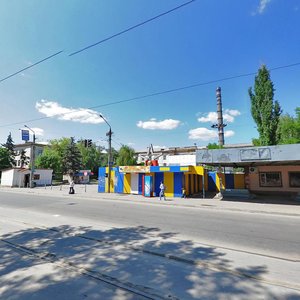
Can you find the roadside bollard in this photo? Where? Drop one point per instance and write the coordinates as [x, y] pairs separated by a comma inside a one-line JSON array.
[[85, 188], [45, 185], [60, 187]]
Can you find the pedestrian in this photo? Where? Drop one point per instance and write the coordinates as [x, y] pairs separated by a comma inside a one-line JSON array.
[[162, 191], [183, 193], [72, 191]]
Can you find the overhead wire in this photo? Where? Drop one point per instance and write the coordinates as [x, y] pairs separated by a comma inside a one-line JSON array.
[[131, 28], [161, 92], [30, 66]]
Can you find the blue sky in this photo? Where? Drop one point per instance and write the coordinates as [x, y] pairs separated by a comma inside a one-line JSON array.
[[203, 41]]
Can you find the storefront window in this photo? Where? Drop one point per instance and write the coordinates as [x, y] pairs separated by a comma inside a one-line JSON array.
[[294, 179], [270, 179], [36, 176]]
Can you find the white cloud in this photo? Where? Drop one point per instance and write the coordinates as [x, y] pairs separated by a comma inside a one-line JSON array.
[[204, 134], [211, 117], [262, 6], [152, 124], [81, 115], [228, 133], [228, 116]]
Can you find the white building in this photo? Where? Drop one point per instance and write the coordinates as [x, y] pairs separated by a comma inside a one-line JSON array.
[[27, 147], [173, 156], [17, 177]]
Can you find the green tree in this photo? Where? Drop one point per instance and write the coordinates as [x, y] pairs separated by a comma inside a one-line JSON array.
[[126, 156], [92, 157], [24, 159], [71, 160], [214, 146], [50, 159], [289, 128], [10, 146], [4, 159], [265, 111]]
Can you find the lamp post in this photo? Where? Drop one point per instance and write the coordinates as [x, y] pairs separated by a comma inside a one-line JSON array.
[[109, 134], [32, 156]]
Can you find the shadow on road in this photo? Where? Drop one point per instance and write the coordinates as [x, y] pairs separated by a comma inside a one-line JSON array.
[[134, 256]]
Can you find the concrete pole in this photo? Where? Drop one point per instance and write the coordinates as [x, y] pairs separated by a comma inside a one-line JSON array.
[[109, 158], [32, 157], [109, 134], [220, 117], [220, 125]]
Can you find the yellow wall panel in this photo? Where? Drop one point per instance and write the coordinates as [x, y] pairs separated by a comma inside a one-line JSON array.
[[222, 179], [186, 184], [206, 181], [239, 181], [127, 178], [169, 183], [112, 181]]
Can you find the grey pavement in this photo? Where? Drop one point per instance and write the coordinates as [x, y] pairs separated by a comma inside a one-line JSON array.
[[264, 206]]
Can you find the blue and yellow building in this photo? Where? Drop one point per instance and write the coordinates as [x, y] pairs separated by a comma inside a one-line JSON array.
[[145, 180]]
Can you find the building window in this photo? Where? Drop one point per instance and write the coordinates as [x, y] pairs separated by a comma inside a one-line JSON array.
[[36, 177], [294, 178], [270, 179]]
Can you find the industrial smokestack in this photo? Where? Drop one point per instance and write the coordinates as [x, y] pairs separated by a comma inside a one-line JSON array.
[[220, 124]]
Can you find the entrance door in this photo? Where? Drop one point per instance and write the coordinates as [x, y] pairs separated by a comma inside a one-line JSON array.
[[134, 183], [26, 180]]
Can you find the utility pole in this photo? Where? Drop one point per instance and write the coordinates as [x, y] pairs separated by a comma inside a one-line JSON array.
[[220, 124], [109, 134], [32, 157]]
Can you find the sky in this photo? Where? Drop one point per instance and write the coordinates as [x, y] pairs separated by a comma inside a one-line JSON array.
[[155, 84]]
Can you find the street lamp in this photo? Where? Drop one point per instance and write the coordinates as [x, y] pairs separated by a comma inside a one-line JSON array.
[[32, 156], [109, 134]]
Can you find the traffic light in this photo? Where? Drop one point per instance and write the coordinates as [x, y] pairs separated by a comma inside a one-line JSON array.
[[88, 143]]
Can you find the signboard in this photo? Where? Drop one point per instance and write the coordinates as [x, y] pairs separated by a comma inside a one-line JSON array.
[[134, 169], [25, 135], [148, 187]]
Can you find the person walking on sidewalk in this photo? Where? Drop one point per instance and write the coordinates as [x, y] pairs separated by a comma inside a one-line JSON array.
[[72, 191], [162, 191]]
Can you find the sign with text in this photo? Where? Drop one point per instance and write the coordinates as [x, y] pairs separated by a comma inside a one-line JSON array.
[[25, 135]]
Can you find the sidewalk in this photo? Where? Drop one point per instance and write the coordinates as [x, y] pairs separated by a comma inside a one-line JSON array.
[[91, 192]]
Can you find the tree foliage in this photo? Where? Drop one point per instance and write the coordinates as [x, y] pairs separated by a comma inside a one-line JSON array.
[[4, 159], [92, 157], [24, 159], [71, 160], [50, 159], [289, 128], [265, 111], [10, 147], [214, 146], [126, 156]]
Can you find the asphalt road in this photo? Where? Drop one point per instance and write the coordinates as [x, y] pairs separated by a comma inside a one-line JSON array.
[[272, 235]]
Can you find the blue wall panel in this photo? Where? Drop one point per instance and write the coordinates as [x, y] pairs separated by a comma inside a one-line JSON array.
[[140, 187], [120, 183], [178, 184], [212, 186], [101, 180], [229, 181], [158, 178]]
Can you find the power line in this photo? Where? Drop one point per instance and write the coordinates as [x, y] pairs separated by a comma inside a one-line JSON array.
[[162, 92], [102, 41], [131, 28], [32, 65]]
